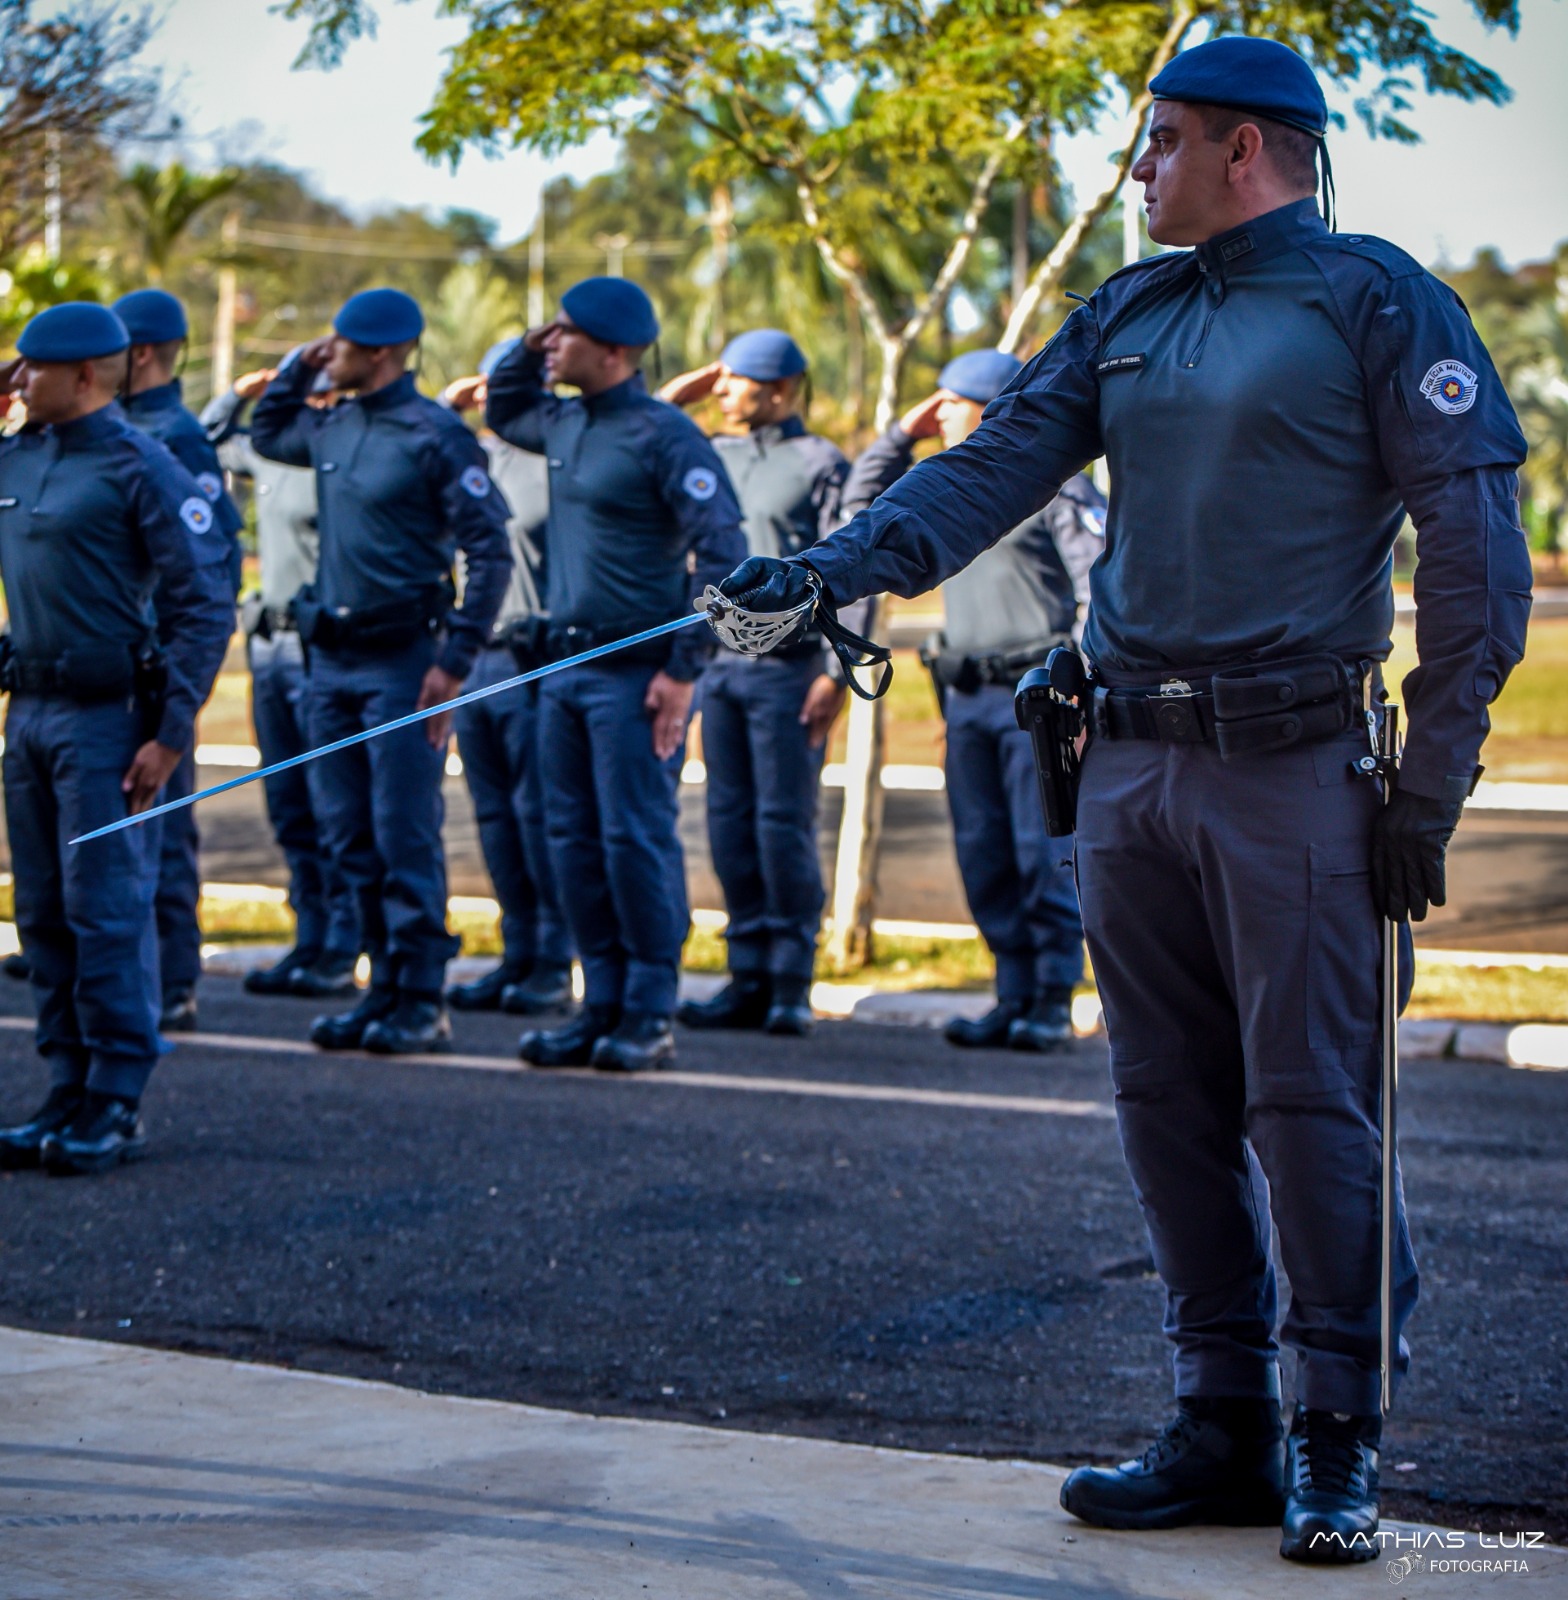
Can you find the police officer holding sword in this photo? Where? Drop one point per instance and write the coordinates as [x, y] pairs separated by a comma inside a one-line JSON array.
[[1272, 403], [93, 515], [401, 486]]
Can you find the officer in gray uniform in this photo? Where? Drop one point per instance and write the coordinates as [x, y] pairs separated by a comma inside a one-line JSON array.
[[326, 921], [1272, 403], [401, 486], [765, 719], [496, 738], [93, 514], [1002, 616], [640, 512], [157, 325]]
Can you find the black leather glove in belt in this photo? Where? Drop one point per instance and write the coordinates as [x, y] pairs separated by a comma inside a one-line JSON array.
[[1409, 844]]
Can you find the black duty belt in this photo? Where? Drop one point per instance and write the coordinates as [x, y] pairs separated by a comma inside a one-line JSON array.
[[371, 629], [267, 622], [558, 640], [1243, 710], [969, 673], [90, 676]]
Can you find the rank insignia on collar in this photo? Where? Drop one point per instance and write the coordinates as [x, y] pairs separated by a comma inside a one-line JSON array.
[[1121, 363], [1451, 386]]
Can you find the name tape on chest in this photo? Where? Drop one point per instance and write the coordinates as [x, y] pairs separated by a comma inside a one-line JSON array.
[[210, 484], [701, 483], [476, 481], [196, 515], [1451, 386], [1129, 363], [9, 502]]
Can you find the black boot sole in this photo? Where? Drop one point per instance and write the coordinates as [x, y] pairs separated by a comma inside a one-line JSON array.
[[1204, 1511], [1328, 1552], [74, 1167]]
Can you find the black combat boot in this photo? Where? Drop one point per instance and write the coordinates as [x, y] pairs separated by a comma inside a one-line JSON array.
[[418, 1026], [742, 1003], [1331, 1505], [1217, 1461], [179, 1012], [16, 965], [21, 1142], [346, 1032], [104, 1132], [573, 1045], [642, 1043], [278, 978], [330, 975], [547, 988], [1046, 1026], [988, 1032], [484, 994], [790, 1014]]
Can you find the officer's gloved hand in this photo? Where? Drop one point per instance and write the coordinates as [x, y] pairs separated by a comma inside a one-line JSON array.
[[764, 583], [1409, 843]]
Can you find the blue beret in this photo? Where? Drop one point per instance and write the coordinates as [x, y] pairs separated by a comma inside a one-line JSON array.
[[612, 310], [379, 316], [151, 316], [1244, 74], [496, 354], [76, 331], [764, 355], [980, 375]]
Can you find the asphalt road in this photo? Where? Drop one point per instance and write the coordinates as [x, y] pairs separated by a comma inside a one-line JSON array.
[[931, 1270], [1508, 871]]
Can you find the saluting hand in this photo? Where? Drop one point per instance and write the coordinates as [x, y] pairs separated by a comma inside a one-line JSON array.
[[463, 394], [690, 387], [151, 767], [439, 686], [318, 352], [668, 703], [818, 711], [248, 386], [920, 421]]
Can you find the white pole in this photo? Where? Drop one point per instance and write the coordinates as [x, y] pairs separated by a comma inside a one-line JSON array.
[[52, 208]]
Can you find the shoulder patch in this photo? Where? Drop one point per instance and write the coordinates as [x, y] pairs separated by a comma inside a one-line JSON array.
[[701, 483], [1451, 386], [210, 484], [196, 515], [475, 481]]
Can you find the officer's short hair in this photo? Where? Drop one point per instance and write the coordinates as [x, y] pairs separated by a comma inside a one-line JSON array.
[[167, 351], [111, 370], [1294, 153]]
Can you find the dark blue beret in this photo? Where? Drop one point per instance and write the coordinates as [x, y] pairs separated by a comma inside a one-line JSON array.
[[379, 316], [496, 354], [764, 355], [1246, 74], [76, 331], [980, 375], [612, 310], [151, 316]]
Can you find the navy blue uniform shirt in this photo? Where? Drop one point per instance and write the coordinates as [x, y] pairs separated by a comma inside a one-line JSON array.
[[93, 514], [401, 486], [638, 499], [1271, 405]]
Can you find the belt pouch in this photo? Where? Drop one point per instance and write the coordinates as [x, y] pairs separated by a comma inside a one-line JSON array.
[[1275, 705]]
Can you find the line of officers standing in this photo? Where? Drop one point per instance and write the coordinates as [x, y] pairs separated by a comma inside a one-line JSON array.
[[572, 522]]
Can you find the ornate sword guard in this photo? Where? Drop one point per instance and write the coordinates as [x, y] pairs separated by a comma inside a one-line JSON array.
[[751, 633]]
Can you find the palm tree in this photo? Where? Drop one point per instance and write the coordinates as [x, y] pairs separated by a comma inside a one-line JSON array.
[[161, 203]]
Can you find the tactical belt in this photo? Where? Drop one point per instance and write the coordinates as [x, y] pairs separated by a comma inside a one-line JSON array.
[[371, 630], [94, 677], [267, 622], [1242, 710], [558, 640], [968, 674]]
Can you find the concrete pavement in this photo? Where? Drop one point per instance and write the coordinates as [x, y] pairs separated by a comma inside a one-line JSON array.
[[139, 1473]]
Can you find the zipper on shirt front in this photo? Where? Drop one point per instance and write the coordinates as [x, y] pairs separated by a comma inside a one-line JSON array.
[[1208, 321]]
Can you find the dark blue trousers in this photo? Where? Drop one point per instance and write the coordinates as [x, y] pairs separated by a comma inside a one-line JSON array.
[[1231, 924], [381, 810], [610, 813], [84, 914], [1017, 879], [179, 885], [326, 920], [763, 783], [496, 740]]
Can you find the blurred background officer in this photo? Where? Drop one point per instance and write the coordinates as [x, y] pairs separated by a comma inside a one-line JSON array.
[[496, 738], [401, 486], [326, 917], [1002, 616], [92, 515], [157, 325], [1272, 403], [765, 719], [639, 508]]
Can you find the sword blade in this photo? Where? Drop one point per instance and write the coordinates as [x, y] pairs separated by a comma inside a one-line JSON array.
[[399, 722]]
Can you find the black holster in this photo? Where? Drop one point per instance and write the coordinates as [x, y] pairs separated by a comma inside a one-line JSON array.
[[528, 639], [371, 630], [150, 677], [1049, 704]]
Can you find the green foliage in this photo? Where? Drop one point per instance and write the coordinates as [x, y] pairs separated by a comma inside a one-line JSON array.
[[161, 203], [36, 282]]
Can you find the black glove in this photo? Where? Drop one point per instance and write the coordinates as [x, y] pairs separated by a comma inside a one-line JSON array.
[[1409, 841], [764, 583]]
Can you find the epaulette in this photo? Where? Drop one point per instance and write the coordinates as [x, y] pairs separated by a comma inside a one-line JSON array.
[[1394, 261]]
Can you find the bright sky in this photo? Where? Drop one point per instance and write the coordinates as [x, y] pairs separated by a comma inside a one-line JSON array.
[[1482, 175]]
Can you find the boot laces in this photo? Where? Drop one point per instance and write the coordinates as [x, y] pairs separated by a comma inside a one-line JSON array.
[[1329, 1455], [1175, 1440]]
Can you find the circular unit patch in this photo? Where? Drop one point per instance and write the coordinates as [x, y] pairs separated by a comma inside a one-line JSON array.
[[210, 484], [196, 515], [475, 481], [1451, 386], [700, 483]]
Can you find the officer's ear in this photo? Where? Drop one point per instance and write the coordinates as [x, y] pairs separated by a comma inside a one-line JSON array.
[[1245, 153]]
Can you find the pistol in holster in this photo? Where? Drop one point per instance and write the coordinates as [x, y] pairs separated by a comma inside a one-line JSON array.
[[150, 686], [1049, 703]]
